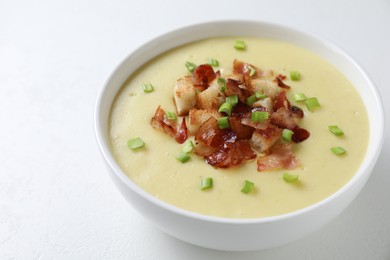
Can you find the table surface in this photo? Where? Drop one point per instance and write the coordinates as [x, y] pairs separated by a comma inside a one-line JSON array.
[[56, 198]]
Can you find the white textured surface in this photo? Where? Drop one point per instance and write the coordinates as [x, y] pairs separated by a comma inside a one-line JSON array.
[[56, 200]]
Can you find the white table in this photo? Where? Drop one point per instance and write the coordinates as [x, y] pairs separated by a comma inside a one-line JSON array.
[[56, 199]]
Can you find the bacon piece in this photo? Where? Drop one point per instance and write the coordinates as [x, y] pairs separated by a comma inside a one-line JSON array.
[[280, 157], [203, 75], [182, 132], [243, 131], [210, 134], [283, 118], [281, 101], [231, 155], [234, 87], [300, 134], [297, 112], [279, 79], [160, 121], [241, 109]]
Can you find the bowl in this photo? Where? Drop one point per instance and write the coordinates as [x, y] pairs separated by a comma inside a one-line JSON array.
[[240, 234]]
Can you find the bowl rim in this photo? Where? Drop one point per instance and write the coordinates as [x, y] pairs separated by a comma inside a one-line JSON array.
[[364, 169]]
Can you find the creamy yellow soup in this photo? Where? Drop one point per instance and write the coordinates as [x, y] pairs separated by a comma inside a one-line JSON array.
[[157, 171]]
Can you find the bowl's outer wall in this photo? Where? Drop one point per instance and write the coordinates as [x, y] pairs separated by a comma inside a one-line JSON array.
[[238, 235]]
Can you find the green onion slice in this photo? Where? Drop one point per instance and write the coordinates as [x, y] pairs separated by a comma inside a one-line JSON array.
[[223, 122], [287, 135], [135, 143], [222, 84], [248, 187], [232, 99], [250, 100], [295, 75], [260, 95], [288, 177], [259, 116], [312, 103], [188, 146], [338, 150], [190, 66], [213, 62], [226, 107], [240, 45], [206, 183], [299, 97], [183, 157], [171, 116], [334, 129], [148, 87], [252, 71]]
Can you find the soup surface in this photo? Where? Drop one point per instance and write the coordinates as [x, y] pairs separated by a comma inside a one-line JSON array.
[[157, 171]]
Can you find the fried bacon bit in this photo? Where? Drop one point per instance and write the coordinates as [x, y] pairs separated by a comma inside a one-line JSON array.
[[281, 101], [300, 134], [279, 79], [283, 118], [297, 112], [231, 155], [160, 121], [182, 132], [234, 87], [203, 75], [243, 131], [280, 156]]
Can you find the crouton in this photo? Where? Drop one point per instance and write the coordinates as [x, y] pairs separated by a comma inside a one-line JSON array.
[[211, 98], [267, 87], [198, 116], [184, 94], [263, 140]]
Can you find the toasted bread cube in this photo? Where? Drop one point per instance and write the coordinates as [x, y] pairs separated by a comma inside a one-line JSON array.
[[267, 87], [184, 94], [263, 140], [265, 102], [198, 116], [211, 98]]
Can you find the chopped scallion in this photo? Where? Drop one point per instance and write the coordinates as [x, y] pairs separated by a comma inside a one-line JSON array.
[[148, 87], [334, 129], [240, 45], [223, 122], [222, 84], [213, 62], [287, 135], [288, 177], [171, 116], [338, 150], [312, 103], [206, 183], [252, 71], [226, 108], [232, 99], [258, 116], [248, 187], [299, 97], [260, 95], [135, 143], [250, 100], [188, 146], [183, 157], [295, 75], [190, 66]]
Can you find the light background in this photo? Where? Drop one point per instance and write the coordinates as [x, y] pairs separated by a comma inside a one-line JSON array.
[[56, 198]]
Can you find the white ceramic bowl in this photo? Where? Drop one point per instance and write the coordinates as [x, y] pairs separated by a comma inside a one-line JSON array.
[[240, 234]]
